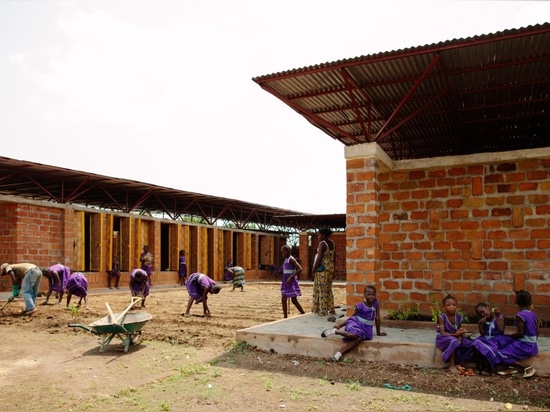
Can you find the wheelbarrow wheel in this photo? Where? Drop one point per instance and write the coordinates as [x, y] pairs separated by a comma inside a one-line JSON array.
[[136, 338]]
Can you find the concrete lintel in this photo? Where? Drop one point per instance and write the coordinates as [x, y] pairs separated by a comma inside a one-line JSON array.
[[477, 158], [370, 150]]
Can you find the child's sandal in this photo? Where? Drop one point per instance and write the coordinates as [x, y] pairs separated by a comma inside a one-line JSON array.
[[509, 371], [528, 372]]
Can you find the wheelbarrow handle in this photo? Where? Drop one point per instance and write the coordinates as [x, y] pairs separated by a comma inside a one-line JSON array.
[[123, 314], [78, 325]]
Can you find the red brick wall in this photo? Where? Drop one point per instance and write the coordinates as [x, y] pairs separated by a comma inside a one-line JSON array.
[[30, 233], [478, 231]]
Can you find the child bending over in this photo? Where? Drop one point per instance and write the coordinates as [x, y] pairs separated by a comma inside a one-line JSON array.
[[358, 327]]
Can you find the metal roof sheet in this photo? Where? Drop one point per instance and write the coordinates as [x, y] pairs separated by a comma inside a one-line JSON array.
[[65, 186], [485, 93]]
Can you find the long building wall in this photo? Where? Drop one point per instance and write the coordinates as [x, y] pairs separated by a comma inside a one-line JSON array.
[[477, 227], [86, 240]]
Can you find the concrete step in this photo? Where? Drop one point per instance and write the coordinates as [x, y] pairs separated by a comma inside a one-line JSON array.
[[301, 335]]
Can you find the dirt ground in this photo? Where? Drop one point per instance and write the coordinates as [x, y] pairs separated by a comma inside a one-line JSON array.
[[194, 363]]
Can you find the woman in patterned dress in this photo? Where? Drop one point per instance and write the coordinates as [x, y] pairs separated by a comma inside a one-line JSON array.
[[323, 274]]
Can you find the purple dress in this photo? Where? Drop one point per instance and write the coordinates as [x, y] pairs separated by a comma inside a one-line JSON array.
[[291, 290], [489, 344], [115, 271], [227, 276], [77, 285], [525, 347], [195, 284], [464, 350], [64, 273], [138, 286], [182, 270], [361, 323]]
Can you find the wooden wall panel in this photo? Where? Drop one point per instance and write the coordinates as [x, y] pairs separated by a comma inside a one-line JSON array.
[[174, 241], [96, 236], [127, 245], [78, 244]]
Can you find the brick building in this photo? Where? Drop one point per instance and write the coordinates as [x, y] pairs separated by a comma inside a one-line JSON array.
[[85, 239], [52, 215], [476, 226], [448, 166]]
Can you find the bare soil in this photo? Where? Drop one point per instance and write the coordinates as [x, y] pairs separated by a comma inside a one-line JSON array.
[[194, 363]]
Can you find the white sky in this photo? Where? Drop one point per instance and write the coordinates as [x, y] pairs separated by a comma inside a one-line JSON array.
[[160, 91]]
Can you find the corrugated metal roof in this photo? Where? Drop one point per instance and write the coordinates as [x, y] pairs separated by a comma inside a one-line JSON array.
[[485, 93], [65, 186]]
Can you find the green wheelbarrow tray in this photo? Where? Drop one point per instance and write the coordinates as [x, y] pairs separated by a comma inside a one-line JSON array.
[[129, 330]]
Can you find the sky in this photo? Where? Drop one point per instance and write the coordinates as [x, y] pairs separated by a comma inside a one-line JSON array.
[[161, 91]]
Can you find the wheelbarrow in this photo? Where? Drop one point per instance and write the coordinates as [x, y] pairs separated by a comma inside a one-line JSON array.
[[127, 326]]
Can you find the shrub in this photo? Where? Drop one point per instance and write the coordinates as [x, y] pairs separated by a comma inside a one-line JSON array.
[[408, 312]]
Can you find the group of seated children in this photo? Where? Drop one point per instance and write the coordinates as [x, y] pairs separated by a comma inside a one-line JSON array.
[[491, 351]]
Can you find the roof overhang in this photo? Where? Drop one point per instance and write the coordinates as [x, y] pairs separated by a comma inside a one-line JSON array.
[[481, 94], [65, 186]]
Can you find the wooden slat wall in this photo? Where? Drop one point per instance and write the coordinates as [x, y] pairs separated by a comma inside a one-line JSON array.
[[78, 248]]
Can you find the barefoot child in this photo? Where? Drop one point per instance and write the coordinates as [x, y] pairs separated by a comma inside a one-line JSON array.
[[524, 341], [139, 285], [58, 276], [290, 288], [451, 340], [358, 327], [198, 287], [77, 285]]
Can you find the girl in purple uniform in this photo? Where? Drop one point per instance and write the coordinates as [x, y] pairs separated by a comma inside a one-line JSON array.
[[451, 336], [77, 285], [199, 286], [58, 276], [290, 288], [358, 327], [228, 276], [491, 337], [524, 342], [182, 268], [114, 273], [139, 284]]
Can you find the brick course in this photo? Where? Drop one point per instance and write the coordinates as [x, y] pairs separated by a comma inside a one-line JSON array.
[[478, 230]]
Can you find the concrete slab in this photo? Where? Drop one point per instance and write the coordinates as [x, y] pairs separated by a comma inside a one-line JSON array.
[[301, 335]]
